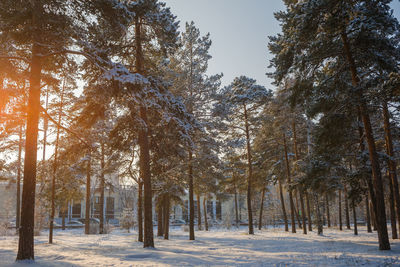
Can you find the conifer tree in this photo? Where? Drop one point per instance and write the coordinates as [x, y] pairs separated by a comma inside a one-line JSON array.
[[240, 105], [43, 21], [197, 89], [322, 35]]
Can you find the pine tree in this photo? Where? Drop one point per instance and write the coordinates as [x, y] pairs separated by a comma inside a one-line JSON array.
[[43, 22], [361, 34], [240, 104], [197, 89]]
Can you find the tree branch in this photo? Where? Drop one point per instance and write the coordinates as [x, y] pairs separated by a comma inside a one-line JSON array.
[[16, 58], [73, 52], [62, 127]]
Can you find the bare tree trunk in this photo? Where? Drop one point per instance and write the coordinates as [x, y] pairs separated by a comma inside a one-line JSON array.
[[353, 204], [368, 215], [300, 188], [205, 213], [166, 216], [190, 167], [198, 212], [292, 213], [45, 127], [392, 164], [87, 206], [340, 211], [148, 238], [55, 167], [236, 208], [346, 208], [376, 170], [140, 211], [26, 242], [368, 180], [250, 172], [63, 218], [18, 206], [160, 214], [191, 198], [303, 214], [283, 206], [308, 213], [297, 210], [392, 208], [102, 184], [144, 157], [373, 219], [327, 211], [320, 226], [261, 209]]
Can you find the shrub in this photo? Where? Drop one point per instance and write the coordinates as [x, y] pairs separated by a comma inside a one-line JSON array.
[[126, 220], [5, 229], [94, 228], [185, 228]]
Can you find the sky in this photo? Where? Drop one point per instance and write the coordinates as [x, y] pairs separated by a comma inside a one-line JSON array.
[[239, 30]]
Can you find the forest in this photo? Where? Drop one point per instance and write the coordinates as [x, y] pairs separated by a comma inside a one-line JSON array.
[[115, 97]]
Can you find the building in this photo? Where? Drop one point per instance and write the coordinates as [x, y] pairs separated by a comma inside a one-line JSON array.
[[117, 198]]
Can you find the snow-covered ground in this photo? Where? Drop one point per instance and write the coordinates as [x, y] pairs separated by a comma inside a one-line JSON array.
[[215, 248]]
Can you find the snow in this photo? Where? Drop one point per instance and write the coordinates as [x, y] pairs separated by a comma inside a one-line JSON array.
[[214, 248]]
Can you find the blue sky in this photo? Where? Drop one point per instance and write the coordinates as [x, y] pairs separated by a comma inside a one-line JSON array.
[[239, 30]]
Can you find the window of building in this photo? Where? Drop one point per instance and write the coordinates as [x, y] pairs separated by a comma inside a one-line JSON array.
[[76, 210], [110, 208], [218, 211], [185, 211]]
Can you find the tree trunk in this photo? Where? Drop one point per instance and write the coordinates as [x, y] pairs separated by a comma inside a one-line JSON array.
[[166, 217], [297, 210], [368, 179], [303, 214], [309, 149], [250, 172], [308, 213], [261, 209], [26, 242], [283, 206], [160, 214], [391, 162], [88, 202], [392, 208], [140, 211], [205, 213], [373, 219], [190, 167], [102, 182], [346, 208], [328, 216], [144, 160], [18, 206], [292, 213], [236, 209], [191, 198], [144, 157], [45, 127], [340, 211], [353, 204], [320, 226], [55, 167], [63, 219], [300, 189], [198, 212], [368, 215], [376, 170]]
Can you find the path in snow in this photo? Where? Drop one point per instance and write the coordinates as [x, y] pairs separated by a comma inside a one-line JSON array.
[[215, 248]]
